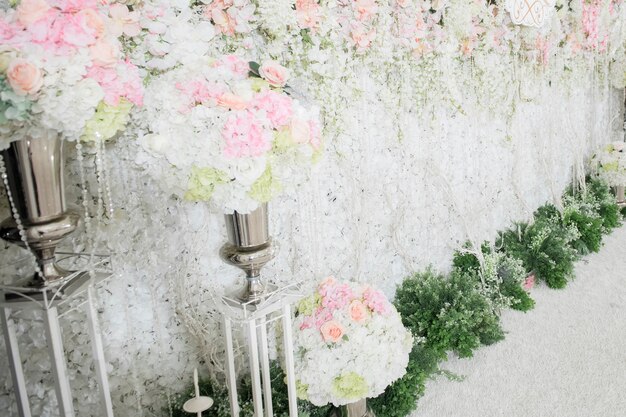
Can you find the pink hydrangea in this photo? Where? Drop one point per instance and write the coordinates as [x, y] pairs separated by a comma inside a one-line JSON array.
[[244, 136], [376, 301], [336, 296], [119, 82], [238, 66], [198, 91], [278, 107]]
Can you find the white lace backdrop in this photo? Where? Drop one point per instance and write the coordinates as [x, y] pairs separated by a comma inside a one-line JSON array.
[[394, 194]]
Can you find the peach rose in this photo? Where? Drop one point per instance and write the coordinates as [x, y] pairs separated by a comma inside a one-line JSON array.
[[93, 21], [104, 54], [300, 130], [358, 311], [332, 331], [30, 11], [232, 101], [24, 77], [274, 73], [330, 280]]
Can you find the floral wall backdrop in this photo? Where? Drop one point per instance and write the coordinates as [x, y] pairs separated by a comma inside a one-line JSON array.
[[443, 122]]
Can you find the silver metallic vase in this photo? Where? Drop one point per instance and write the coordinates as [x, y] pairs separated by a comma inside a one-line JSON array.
[[249, 248], [356, 409], [34, 169]]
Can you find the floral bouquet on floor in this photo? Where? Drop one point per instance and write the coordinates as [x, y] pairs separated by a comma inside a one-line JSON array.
[[61, 70], [611, 162], [350, 344], [229, 131]]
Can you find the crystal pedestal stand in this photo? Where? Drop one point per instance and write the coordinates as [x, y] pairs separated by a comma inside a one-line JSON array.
[[32, 173], [71, 295], [253, 319]]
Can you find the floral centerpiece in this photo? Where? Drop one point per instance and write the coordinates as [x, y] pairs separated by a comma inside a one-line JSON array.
[[350, 344], [61, 71], [611, 162], [232, 135]]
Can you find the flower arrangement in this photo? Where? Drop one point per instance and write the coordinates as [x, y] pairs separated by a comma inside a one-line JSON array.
[[611, 162], [61, 70], [349, 342], [233, 137]]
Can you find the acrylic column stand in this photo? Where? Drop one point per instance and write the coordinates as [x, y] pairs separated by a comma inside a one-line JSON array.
[[76, 291], [253, 320]]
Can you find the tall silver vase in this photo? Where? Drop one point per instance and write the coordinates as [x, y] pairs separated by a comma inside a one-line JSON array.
[[34, 169], [249, 248], [356, 409]]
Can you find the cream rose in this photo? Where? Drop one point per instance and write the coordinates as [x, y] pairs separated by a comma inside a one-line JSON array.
[[24, 77], [7, 54], [30, 11], [332, 331], [300, 130], [274, 73], [104, 54]]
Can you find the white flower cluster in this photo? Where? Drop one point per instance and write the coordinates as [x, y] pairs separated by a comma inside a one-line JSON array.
[[611, 163], [350, 344]]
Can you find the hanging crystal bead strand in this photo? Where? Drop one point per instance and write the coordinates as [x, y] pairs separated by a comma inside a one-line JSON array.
[[108, 199], [85, 203], [16, 216]]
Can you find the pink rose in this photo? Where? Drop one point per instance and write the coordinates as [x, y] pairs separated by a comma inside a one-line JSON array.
[[104, 54], [93, 21], [529, 282], [358, 311], [332, 331], [300, 130], [274, 73], [232, 101], [30, 11], [24, 77]]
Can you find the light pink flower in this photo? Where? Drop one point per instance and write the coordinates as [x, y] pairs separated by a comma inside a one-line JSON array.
[[315, 138], [328, 281], [232, 101], [300, 130], [24, 77], [529, 282], [278, 107], [244, 136], [362, 37], [94, 21], [308, 14], [104, 54], [358, 311], [376, 301], [365, 9], [124, 21], [30, 11], [199, 92], [274, 73], [235, 64], [76, 31], [72, 6], [120, 81], [332, 331]]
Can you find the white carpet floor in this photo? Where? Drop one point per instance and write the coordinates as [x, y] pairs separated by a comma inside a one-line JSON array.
[[565, 358]]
